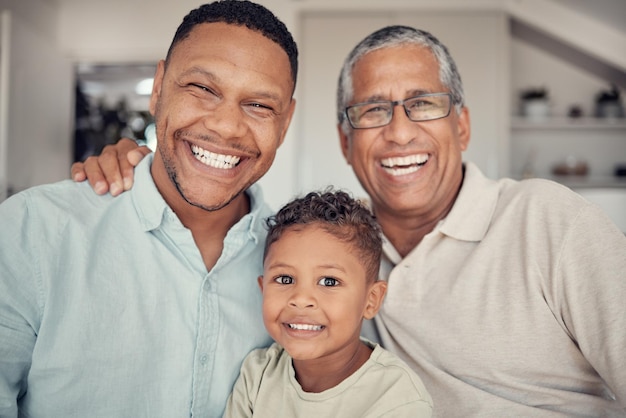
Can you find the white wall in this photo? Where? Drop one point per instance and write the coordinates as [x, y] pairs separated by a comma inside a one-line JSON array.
[[138, 31], [141, 30], [40, 97]]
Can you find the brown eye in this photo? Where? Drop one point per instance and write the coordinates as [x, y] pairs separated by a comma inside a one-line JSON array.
[[284, 280], [328, 281]]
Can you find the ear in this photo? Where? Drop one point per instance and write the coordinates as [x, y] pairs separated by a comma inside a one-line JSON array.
[[463, 127], [375, 298], [260, 282], [345, 143], [156, 86]]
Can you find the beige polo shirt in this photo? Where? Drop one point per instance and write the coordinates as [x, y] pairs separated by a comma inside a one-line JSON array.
[[515, 305]]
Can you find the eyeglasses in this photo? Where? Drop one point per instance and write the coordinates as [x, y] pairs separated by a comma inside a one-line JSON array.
[[418, 109]]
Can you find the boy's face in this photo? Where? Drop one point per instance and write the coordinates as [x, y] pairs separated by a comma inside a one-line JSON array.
[[315, 294]]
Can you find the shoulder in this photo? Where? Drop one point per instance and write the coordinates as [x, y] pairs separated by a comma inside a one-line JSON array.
[[52, 200], [262, 367], [392, 372], [540, 190], [541, 200], [527, 192], [264, 359]]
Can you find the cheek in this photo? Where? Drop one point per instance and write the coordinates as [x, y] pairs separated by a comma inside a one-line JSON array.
[[356, 152], [349, 311], [271, 305], [178, 110], [268, 141]]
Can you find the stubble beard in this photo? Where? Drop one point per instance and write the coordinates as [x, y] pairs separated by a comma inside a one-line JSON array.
[[172, 174]]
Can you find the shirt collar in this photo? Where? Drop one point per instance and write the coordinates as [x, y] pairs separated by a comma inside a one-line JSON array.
[[151, 207], [253, 223], [471, 214], [149, 204]]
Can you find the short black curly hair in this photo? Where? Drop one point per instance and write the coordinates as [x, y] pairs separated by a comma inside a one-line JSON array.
[[242, 13], [337, 213]]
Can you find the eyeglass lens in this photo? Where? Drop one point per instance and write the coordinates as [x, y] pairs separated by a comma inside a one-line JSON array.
[[419, 108]]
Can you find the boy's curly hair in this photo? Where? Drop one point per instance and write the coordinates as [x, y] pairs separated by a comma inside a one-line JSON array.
[[337, 213]]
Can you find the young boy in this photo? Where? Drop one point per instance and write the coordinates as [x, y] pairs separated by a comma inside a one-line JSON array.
[[320, 280]]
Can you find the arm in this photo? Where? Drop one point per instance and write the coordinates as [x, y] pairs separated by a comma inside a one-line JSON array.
[[19, 301], [113, 169], [593, 287]]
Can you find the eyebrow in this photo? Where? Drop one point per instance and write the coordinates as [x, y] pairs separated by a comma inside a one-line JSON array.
[[324, 266], [381, 98], [201, 71]]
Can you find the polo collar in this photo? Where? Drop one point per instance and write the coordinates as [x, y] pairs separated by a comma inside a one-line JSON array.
[[471, 214]]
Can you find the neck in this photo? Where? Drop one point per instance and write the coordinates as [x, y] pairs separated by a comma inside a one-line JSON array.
[[325, 373], [406, 234], [406, 230], [208, 227]]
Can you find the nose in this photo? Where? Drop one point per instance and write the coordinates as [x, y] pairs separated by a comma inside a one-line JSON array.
[[302, 299], [401, 129], [227, 119]]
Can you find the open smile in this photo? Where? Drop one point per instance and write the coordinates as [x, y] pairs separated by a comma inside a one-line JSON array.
[[306, 327], [399, 166], [215, 160]]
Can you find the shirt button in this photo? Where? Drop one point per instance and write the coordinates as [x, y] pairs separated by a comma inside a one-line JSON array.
[[204, 359]]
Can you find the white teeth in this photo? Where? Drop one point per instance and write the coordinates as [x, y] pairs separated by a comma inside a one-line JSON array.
[[399, 166], [306, 327], [214, 160], [401, 171], [404, 161]]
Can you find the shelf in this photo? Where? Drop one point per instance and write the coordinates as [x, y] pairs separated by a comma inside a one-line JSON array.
[[591, 182], [587, 182], [557, 123]]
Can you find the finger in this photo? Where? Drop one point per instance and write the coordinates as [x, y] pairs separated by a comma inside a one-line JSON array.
[[110, 167], [138, 154], [128, 160], [132, 159], [94, 175], [78, 172]]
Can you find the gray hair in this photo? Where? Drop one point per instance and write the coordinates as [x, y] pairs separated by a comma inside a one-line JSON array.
[[393, 36]]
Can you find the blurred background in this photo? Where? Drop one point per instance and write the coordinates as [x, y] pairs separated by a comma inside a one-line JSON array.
[[544, 81]]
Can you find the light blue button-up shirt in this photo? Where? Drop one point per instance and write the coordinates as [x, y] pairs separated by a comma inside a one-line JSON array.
[[107, 309]]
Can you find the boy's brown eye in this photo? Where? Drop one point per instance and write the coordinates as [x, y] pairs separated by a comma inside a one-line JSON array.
[[284, 280], [328, 281]]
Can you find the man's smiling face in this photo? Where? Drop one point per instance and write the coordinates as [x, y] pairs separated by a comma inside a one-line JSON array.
[[222, 106], [406, 167]]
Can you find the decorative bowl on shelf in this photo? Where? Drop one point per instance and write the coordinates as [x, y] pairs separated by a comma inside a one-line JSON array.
[[609, 105], [571, 167], [535, 104]]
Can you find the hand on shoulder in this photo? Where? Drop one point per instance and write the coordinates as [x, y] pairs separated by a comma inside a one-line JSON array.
[[113, 170]]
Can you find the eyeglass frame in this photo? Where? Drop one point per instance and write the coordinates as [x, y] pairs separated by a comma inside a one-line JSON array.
[[395, 103]]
